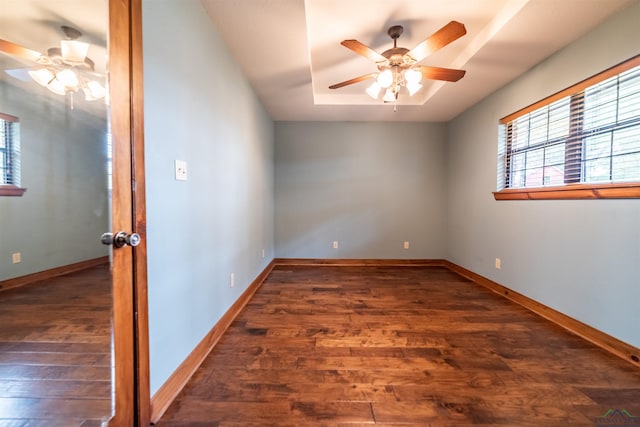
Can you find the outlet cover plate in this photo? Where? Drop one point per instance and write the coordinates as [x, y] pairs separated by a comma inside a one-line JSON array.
[[181, 170]]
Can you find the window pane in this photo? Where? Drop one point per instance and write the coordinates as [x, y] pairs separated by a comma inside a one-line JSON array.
[[554, 155], [629, 107], [554, 175], [600, 115], [629, 83], [9, 152], [598, 170], [517, 179], [518, 162], [626, 167], [559, 119], [602, 93], [598, 146], [535, 158], [626, 140], [535, 177], [520, 134], [2, 134], [629, 93], [538, 131]]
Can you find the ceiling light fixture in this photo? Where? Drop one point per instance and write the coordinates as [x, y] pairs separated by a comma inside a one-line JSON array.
[[74, 50], [393, 79], [42, 76], [66, 80], [398, 67], [65, 67], [396, 71], [374, 90], [63, 70]]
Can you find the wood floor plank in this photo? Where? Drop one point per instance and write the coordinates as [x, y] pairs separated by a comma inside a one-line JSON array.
[[46, 423], [55, 351], [57, 359], [52, 347], [49, 372], [24, 408], [397, 346], [78, 389]]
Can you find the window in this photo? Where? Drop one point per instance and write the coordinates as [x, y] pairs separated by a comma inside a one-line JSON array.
[[10, 156], [583, 142]]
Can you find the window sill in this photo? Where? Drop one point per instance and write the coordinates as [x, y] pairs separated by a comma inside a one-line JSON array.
[[11, 190], [572, 191]]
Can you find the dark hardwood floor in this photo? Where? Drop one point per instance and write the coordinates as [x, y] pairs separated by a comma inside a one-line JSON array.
[[55, 351], [398, 346]]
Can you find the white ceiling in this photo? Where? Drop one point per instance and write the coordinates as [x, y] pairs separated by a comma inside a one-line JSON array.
[[290, 49]]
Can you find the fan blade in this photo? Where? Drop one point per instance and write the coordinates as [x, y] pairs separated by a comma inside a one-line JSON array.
[[445, 35], [19, 73], [437, 73], [352, 81], [17, 50], [363, 50]]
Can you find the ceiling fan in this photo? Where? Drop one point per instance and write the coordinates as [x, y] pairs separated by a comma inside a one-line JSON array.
[[398, 67], [64, 69]]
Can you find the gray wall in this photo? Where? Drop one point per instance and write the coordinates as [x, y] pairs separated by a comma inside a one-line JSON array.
[[580, 257], [369, 186], [199, 108], [58, 221]]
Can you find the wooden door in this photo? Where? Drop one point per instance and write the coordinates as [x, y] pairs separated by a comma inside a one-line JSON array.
[[65, 124], [131, 367]]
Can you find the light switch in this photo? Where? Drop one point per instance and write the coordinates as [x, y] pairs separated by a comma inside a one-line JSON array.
[[181, 170]]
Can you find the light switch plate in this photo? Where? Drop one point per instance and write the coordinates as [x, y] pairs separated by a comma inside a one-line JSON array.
[[181, 170]]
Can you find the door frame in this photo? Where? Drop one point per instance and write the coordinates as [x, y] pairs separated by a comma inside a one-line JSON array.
[[129, 265]]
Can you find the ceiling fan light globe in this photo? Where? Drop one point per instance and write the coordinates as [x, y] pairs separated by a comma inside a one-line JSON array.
[[385, 78], [73, 50], [374, 90], [42, 76], [57, 87], [412, 76], [413, 88], [389, 96], [94, 91], [68, 78]]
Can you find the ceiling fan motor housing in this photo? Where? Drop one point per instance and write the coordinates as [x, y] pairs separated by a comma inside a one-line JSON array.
[[396, 56]]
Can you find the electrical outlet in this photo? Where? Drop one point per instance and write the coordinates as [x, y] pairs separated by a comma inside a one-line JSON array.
[[181, 170], [406, 245], [498, 263], [16, 258], [335, 244], [232, 280]]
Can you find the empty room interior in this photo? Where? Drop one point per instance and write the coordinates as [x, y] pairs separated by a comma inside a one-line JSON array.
[[319, 212]]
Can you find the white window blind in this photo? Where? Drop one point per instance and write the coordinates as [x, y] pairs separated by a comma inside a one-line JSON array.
[[589, 133], [9, 150]]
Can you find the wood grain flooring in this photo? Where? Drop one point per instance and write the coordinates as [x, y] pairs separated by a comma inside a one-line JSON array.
[[55, 351], [393, 346]]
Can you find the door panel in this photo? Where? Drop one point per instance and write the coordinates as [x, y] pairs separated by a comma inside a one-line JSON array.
[[56, 346], [60, 181], [129, 264]]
